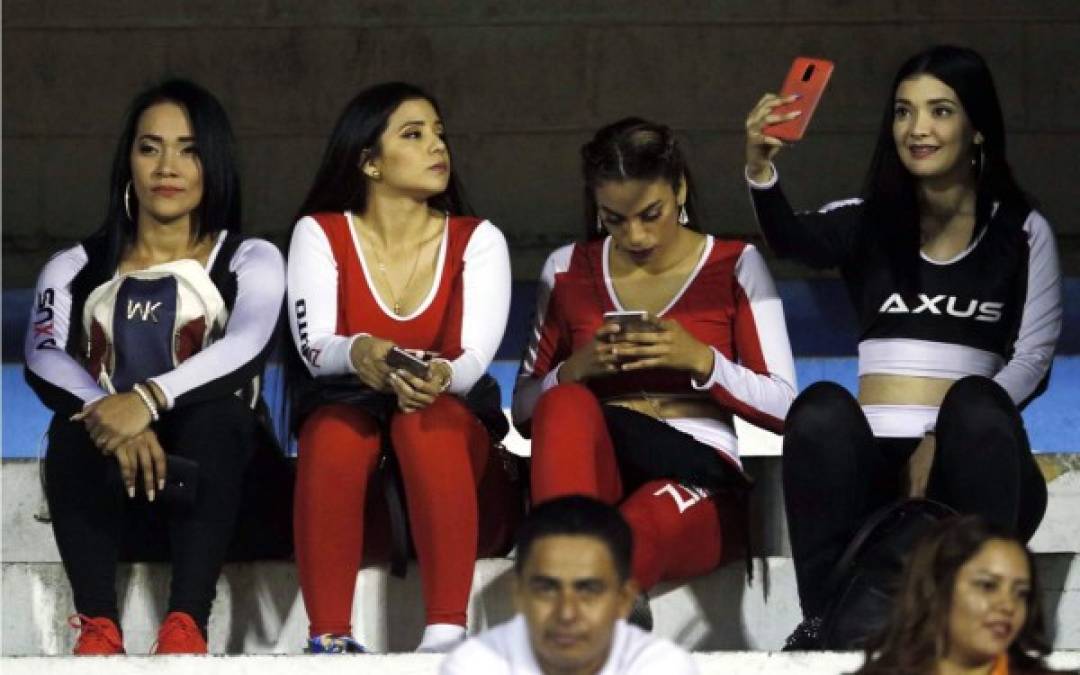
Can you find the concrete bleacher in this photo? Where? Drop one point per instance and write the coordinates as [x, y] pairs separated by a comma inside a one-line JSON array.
[[259, 609]]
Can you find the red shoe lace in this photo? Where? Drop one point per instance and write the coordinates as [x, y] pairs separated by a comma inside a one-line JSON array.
[[179, 635], [97, 635]]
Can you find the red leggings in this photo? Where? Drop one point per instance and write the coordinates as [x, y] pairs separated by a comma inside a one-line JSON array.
[[678, 532], [454, 485]]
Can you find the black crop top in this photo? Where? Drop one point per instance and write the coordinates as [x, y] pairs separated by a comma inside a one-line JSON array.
[[994, 309]]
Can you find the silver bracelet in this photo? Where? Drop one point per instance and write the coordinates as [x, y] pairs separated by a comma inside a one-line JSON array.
[[146, 399]]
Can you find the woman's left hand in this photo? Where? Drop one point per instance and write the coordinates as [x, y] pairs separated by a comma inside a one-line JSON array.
[[669, 346], [416, 393], [112, 420]]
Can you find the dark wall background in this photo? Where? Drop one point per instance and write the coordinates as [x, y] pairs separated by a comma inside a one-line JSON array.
[[522, 85]]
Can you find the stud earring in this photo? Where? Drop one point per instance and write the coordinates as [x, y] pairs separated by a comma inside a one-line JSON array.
[[684, 217], [599, 224], [374, 175], [127, 201]]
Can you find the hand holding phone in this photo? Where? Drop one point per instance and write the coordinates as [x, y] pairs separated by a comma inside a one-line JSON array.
[[806, 79], [636, 321], [399, 359]]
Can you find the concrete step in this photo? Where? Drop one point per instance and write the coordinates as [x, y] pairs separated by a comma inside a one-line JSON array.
[[722, 663], [259, 608], [26, 539]]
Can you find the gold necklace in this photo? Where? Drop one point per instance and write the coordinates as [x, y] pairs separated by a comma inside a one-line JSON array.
[[381, 266]]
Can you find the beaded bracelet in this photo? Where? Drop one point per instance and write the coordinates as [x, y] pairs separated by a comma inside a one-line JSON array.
[[146, 399]]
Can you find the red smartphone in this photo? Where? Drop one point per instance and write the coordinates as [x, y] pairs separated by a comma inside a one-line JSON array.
[[807, 78]]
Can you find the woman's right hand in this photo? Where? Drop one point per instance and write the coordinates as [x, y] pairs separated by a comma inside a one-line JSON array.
[[142, 454], [761, 147], [596, 358], [368, 355]]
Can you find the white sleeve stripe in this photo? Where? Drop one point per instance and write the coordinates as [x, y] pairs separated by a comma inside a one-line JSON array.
[[840, 203], [773, 392], [753, 276], [558, 262], [486, 283], [260, 286], [528, 388], [49, 328], [1040, 324], [313, 302]]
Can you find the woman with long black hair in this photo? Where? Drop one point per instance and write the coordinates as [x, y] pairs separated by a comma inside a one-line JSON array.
[[147, 340], [385, 258], [955, 281]]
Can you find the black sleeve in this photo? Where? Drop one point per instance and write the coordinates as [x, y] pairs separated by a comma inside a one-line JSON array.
[[821, 239]]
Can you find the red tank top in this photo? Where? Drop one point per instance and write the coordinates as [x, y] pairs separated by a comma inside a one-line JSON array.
[[436, 326]]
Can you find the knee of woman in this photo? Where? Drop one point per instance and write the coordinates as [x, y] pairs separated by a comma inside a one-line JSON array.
[[819, 409], [977, 393], [445, 412], [565, 400], [338, 419]]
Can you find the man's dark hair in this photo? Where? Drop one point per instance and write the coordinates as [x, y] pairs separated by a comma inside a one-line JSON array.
[[577, 515]]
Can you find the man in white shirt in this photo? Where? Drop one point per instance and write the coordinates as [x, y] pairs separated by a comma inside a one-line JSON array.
[[573, 592]]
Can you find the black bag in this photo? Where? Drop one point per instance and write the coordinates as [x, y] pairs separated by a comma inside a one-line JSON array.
[[864, 581]]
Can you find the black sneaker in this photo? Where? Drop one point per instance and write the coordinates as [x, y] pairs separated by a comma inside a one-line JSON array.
[[640, 614], [806, 637]]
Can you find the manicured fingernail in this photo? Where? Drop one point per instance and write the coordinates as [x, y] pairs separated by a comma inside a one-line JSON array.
[[161, 484], [150, 496], [131, 492]]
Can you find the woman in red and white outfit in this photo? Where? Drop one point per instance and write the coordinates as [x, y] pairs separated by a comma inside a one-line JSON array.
[[382, 258], [642, 416]]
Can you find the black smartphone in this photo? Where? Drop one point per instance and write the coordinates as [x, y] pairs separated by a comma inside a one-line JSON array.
[[399, 359]]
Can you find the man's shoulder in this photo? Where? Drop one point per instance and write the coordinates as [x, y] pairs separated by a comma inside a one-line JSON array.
[[638, 652], [493, 651]]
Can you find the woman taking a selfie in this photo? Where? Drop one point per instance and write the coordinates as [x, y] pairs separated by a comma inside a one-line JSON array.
[[383, 260], [147, 340], [954, 277], [638, 412], [968, 604]]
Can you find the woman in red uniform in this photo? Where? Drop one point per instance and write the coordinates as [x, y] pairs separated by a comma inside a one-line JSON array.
[[642, 416], [381, 259]]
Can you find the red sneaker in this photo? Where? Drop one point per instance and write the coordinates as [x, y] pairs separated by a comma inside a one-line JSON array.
[[179, 635], [98, 636]]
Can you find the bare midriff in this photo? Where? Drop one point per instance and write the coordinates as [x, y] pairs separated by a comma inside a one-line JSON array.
[[880, 389], [662, 406]]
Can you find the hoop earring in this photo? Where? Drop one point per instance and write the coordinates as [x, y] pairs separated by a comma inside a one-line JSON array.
[[127, 201], [684, 217], [978, 160]]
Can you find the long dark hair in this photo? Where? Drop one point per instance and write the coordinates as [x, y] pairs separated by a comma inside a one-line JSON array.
[[892, 210], [917, 633], [634, 149], [339, 184], [215, 144]]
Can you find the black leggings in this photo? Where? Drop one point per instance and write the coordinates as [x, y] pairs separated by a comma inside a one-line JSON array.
[[836, 473], [91, 511]]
